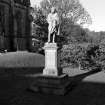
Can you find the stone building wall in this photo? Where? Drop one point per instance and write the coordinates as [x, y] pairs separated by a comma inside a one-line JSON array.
[[15, 25]]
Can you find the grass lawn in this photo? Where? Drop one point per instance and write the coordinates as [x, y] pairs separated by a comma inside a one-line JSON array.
[[88, 88], [21, 63], [21, 59]]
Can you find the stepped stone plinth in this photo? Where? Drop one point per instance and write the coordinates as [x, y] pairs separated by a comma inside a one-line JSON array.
[[50, 81]]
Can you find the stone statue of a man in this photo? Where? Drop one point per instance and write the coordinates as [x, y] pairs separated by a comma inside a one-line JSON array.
[[53, 28]]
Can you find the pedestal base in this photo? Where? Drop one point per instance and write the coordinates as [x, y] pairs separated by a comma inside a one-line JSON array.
[[50, 72], [58, 85]]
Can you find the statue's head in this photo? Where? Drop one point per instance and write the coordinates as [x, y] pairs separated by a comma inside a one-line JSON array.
[[53, 10]]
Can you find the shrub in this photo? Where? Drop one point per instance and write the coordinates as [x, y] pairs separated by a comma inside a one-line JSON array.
[[71, 55], [87, 58]]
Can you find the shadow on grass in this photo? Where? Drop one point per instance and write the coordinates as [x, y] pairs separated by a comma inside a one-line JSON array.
[[20, 70], [13, 92], [80, 77]]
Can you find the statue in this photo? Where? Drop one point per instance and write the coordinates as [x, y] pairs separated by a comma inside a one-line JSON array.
[[53, 28], [52, 76]]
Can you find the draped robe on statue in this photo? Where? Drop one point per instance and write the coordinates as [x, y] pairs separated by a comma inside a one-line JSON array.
[[53, 28]]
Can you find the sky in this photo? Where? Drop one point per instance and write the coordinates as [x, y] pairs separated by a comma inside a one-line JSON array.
[[96, 10]]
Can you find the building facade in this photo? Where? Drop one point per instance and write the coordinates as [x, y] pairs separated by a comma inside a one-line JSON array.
[[15, 25]]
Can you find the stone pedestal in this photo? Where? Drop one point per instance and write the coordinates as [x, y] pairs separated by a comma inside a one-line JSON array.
[[50, 59], [58, 85], [50, 81]]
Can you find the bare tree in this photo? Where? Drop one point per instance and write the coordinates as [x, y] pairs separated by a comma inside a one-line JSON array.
[[71, 9], [70, 12]]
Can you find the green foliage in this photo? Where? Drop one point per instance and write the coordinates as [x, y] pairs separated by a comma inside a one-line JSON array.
[[100, 56], [71, 9], [87, 58], [77, 35], [95, 37], [71, 54], [40, 25], [70, 12]]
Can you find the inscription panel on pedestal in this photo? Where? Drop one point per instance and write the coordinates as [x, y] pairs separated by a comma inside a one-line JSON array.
[[51, 59]]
